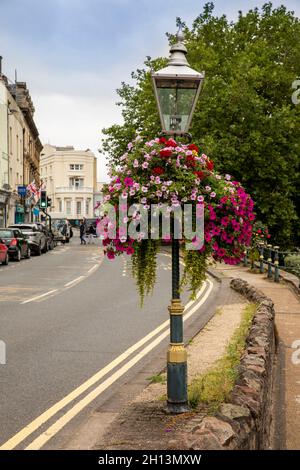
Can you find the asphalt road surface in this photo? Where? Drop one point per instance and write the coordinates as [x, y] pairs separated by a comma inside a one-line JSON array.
[[72, 327]]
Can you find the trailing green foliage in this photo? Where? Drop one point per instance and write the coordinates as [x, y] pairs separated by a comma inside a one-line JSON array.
[[144, 267], [245, 119], [214, 386], [195, 265]]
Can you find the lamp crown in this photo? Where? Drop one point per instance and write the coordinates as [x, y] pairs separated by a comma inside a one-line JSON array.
[[178, 51]]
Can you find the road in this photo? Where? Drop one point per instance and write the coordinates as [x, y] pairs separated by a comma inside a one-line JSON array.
[[73, 328]]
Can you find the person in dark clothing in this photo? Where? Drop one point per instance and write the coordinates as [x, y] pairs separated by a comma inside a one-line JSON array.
[[82, 229]]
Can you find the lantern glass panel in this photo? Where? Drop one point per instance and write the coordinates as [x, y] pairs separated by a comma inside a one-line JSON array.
[[176, 102]]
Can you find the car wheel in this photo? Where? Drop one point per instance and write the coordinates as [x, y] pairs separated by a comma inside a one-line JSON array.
[[67, 240], [39, 251], [51, 245], [18, 256], [5, 262], [28, 254], [45, 249]]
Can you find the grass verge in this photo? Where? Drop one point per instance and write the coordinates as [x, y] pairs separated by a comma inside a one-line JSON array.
[[215, 386]]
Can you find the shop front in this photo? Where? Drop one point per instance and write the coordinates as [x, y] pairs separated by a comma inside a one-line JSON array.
[[3, 208]]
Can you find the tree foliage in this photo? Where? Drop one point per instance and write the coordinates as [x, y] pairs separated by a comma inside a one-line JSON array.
[[245, 119]]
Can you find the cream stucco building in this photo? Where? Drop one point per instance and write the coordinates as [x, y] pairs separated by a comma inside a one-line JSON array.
[[20, 148], [70, 179]]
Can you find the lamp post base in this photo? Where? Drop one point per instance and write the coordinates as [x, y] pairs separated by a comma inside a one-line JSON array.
[[177, 408]]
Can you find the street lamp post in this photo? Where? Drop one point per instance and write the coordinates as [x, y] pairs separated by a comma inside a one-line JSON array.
[[177, 89]]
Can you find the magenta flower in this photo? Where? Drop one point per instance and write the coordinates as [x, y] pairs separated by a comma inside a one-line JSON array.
[[110, 255], [129, 250], [128, 181], [225, 221]]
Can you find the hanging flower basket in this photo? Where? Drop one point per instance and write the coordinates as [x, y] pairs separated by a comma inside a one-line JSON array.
[[165, 175]]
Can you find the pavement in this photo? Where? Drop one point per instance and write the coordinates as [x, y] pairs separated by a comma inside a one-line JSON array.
[[287, 321], [144, 424], [74, 336]]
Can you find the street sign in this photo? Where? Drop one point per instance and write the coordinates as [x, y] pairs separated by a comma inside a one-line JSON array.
[[22, 191]]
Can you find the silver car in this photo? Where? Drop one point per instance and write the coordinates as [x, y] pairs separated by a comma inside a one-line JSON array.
[[35, 235]]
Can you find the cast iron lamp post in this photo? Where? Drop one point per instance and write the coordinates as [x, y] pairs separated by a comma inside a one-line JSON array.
[[177, 89]]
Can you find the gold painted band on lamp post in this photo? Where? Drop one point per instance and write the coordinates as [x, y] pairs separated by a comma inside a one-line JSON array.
[[176, 353], [176, 307]]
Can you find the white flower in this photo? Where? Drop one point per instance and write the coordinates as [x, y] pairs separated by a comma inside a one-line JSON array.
[[145, 165], [207, 188], [144, 189]]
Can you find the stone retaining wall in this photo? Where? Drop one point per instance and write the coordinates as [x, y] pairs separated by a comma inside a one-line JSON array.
[[245, 422]]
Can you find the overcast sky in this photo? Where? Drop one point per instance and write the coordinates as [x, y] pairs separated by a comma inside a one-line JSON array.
[[73, 54]]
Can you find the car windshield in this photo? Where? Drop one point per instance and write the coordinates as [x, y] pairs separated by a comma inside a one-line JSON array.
[[26, 228], [6, 234], [58, 224]]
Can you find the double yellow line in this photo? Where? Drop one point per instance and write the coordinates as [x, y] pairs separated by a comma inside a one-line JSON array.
[[45, 436]]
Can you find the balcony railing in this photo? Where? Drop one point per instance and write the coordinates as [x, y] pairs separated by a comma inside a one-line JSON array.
[[74, 189]]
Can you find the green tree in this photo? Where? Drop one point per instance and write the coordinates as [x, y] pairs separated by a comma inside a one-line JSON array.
[[245, 119]]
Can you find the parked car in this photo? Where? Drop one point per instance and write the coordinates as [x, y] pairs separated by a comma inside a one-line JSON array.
[[62, 230], [17, 244], [35, 236], [48, 234], [4, 257]]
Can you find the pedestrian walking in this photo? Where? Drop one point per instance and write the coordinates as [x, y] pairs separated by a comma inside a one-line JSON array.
[[82, 229]]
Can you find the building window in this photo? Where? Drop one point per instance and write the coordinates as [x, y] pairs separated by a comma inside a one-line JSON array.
[[76, 183], [68, 207], [60, 205], [10, 140], [78, 207], [87, 206], [76, 167]]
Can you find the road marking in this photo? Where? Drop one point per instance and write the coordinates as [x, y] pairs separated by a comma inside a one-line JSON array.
[[41, 440], [93, 268], [44, 417], [39, 296], [78, 279]]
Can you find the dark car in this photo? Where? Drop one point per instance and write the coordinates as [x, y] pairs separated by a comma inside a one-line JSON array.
[[3, 253], [35, 236], [18, 246]]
